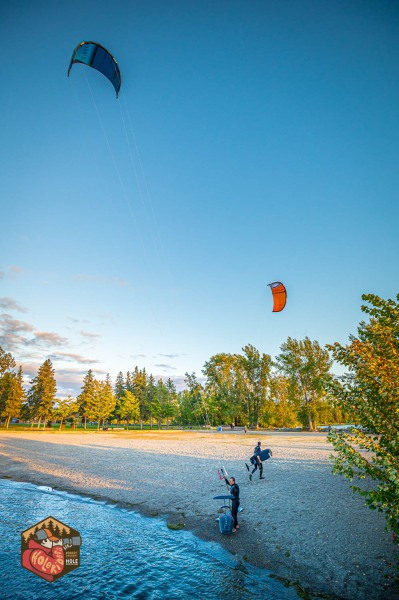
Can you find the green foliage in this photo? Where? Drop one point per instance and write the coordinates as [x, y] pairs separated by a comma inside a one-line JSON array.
[[7, 362], [253, 380], [102, 403], [128, 407], [307, 367], [41, 395], [86, 397], [281, 409], [64, 408], [12, 394], [142, 392], [238, 385], [369, 394]]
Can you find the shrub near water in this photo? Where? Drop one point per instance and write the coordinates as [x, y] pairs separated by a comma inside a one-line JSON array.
[[369, 394]]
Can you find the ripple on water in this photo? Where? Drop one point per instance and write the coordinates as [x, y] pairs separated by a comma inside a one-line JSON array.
[[123, 555]]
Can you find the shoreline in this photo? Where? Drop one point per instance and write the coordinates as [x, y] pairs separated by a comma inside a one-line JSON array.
[[301, 523]]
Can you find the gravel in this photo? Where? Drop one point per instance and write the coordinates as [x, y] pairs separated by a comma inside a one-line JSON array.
[[302, 523]]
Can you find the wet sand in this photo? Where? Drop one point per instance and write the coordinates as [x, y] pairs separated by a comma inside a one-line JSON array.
[[302, 523]]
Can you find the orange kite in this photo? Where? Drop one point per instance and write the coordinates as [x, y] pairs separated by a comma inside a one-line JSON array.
[[279, 295]]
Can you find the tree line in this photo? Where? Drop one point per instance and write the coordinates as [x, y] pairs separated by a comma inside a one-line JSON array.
[[247, 389]]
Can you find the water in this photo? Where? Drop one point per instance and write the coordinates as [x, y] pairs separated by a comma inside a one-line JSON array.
[[123, 555]]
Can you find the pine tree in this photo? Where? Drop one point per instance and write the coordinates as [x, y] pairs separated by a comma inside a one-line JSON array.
[[129, 407], [85, 398], [41, 395], [7, 361], [151, 400], [128, 382], [119, 385], [102, 403], [139, 385], [12, 395]]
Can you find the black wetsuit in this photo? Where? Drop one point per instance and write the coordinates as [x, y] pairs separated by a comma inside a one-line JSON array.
[[257, 463], [234, 491]]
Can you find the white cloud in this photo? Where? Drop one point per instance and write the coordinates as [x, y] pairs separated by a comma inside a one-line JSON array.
[[70, 357], [89, 335], [47, 338], [11, 304]]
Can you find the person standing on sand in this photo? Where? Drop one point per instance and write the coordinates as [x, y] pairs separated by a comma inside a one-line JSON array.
[[235, 503]]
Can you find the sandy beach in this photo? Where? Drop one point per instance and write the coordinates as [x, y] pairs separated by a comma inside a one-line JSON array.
[[302, 523]]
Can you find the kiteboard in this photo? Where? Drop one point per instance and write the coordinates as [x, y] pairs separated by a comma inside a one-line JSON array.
[[226, 521], [265, 454]]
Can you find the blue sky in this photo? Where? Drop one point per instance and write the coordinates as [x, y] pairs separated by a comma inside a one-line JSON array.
[[252, 142]]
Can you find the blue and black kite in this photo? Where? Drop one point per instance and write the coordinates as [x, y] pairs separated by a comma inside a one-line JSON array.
[[96, 56]]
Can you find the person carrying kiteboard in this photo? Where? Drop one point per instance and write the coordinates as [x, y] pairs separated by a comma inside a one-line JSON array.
[[235, 503], [257, 462]]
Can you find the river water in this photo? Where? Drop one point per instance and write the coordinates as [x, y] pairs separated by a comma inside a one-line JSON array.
[[123, 555]]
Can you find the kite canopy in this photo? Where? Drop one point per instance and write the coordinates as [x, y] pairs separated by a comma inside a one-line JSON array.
[[279, 295], [96, 56]]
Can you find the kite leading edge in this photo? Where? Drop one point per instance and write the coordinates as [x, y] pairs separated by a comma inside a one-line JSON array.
[[279, 295], [96, 56]]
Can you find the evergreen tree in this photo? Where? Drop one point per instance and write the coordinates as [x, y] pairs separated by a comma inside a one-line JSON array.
[[7, 362], [151, 400], [129, 407], [128, 382], [171, 407], [41, 395], [86, 397], [102, 403], [139, 389], [119, 386], [12, 395]]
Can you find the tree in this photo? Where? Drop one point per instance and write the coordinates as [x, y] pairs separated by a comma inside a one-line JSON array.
[[221, 372], [86, 397], [151, 407], [129, 407], [171, 407], [197, 398], [307, 367], [139, 389], [119, 385], [164, 404], [7, 361], [41, 395], [369, 394], [12, 394], [253, 380], [282, 407], [102, 403], [65, 407]]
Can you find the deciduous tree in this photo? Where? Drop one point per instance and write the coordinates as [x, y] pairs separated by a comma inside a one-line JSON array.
[[307, 367], [369, 394]]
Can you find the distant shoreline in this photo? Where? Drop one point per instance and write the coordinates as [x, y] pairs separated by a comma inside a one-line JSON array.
[[301, 523]]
